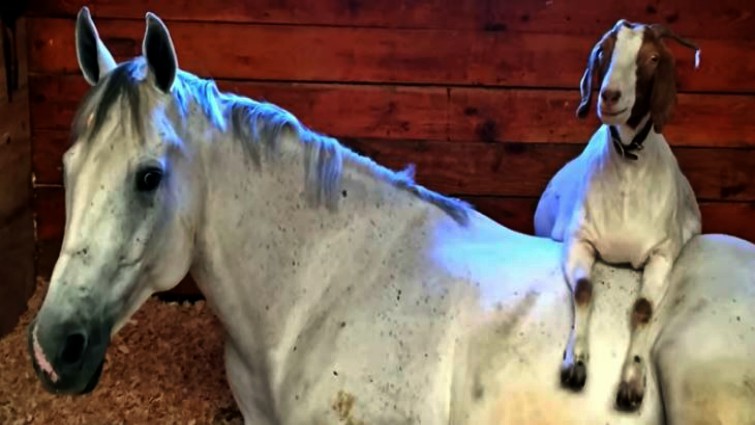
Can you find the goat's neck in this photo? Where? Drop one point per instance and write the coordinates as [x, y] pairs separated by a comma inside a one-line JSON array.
[[626, 133]]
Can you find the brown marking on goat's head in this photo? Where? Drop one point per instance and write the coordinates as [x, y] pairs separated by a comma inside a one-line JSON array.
[[654, 87]]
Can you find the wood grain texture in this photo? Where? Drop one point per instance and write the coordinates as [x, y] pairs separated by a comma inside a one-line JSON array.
[[376, 55], [725, 19], [431, 113], [491, 169], [516, 213], [17, 248]]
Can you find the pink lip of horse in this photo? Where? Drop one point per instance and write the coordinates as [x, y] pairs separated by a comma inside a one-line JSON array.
[[42, 361]]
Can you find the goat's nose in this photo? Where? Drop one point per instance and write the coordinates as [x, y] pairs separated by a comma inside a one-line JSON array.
[[73, 349], [610, 95]]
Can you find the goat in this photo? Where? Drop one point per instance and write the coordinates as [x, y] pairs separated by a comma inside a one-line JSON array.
[[624, 199]]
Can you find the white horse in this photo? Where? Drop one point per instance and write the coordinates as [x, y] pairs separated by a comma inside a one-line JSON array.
[[349, 294]]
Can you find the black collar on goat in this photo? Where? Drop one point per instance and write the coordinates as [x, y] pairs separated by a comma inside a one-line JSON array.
[[636, 145]]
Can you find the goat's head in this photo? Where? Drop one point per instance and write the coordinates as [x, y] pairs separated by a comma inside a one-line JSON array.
[[634, 71]]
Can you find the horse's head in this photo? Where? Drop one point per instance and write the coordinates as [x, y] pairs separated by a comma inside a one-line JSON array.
[[130, 207], [635, 74]]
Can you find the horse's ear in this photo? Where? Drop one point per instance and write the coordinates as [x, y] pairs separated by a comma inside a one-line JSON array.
[[94, 58], [157, 47]]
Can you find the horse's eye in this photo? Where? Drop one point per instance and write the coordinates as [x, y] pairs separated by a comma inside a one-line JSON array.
[[148, 179]]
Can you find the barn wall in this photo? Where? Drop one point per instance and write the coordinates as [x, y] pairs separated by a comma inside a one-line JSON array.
[[479, 94], [16, 220]]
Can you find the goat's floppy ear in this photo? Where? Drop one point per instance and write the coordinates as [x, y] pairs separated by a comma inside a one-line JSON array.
[[94, 58], [158, 48], [585, 85], [663, 97]]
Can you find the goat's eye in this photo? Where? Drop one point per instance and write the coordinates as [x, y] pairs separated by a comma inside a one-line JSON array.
[[654, 59], [148, 179]]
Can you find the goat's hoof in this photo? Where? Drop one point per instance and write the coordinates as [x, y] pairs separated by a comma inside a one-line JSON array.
[[574, 375], [629, 397]]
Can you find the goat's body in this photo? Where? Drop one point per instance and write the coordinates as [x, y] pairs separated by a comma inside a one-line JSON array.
[[624, 208], [638, 212]]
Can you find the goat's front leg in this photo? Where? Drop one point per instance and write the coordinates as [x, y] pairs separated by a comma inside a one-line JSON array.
[[578, 263], [653, 291]]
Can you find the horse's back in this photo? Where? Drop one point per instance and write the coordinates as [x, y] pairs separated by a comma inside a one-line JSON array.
[[705, 354], [704, 369], [507, 369]]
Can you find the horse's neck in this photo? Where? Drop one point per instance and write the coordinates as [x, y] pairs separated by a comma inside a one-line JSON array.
[[264, 256]]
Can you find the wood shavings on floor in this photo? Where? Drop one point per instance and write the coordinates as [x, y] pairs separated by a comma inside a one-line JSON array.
[[165, 367]]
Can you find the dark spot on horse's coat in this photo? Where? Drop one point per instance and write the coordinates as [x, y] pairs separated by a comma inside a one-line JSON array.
[[342, 406], [650, 9], [641, 312], [637, 359], [672, 17], [739, 319], [583, 292], [488, 131], [344, 193], [495, 27], [478, 392], [335, 373], [470, 110], [343, 324], [398, 296]]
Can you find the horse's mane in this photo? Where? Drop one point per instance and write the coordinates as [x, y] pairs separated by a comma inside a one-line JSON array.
[[257, 124]]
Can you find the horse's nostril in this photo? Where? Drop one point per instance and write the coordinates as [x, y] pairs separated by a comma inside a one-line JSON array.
[[73, 348]]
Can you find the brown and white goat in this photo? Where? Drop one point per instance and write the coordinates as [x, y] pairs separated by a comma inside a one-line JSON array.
[[624, 199]]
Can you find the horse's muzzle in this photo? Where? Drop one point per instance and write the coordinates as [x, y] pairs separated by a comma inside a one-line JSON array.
[[67, 360]]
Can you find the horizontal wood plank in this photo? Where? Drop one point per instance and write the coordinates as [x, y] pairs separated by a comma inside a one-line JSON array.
[[725, 19], [430, 113], [375, 55], [516, 213], [492, 169], [515, 169]]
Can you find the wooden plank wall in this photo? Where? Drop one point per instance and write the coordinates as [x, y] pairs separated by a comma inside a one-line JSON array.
[[480, 94], [17, 280]]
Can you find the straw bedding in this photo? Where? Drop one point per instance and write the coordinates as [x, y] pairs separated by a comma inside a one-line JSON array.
[[164, 367]]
